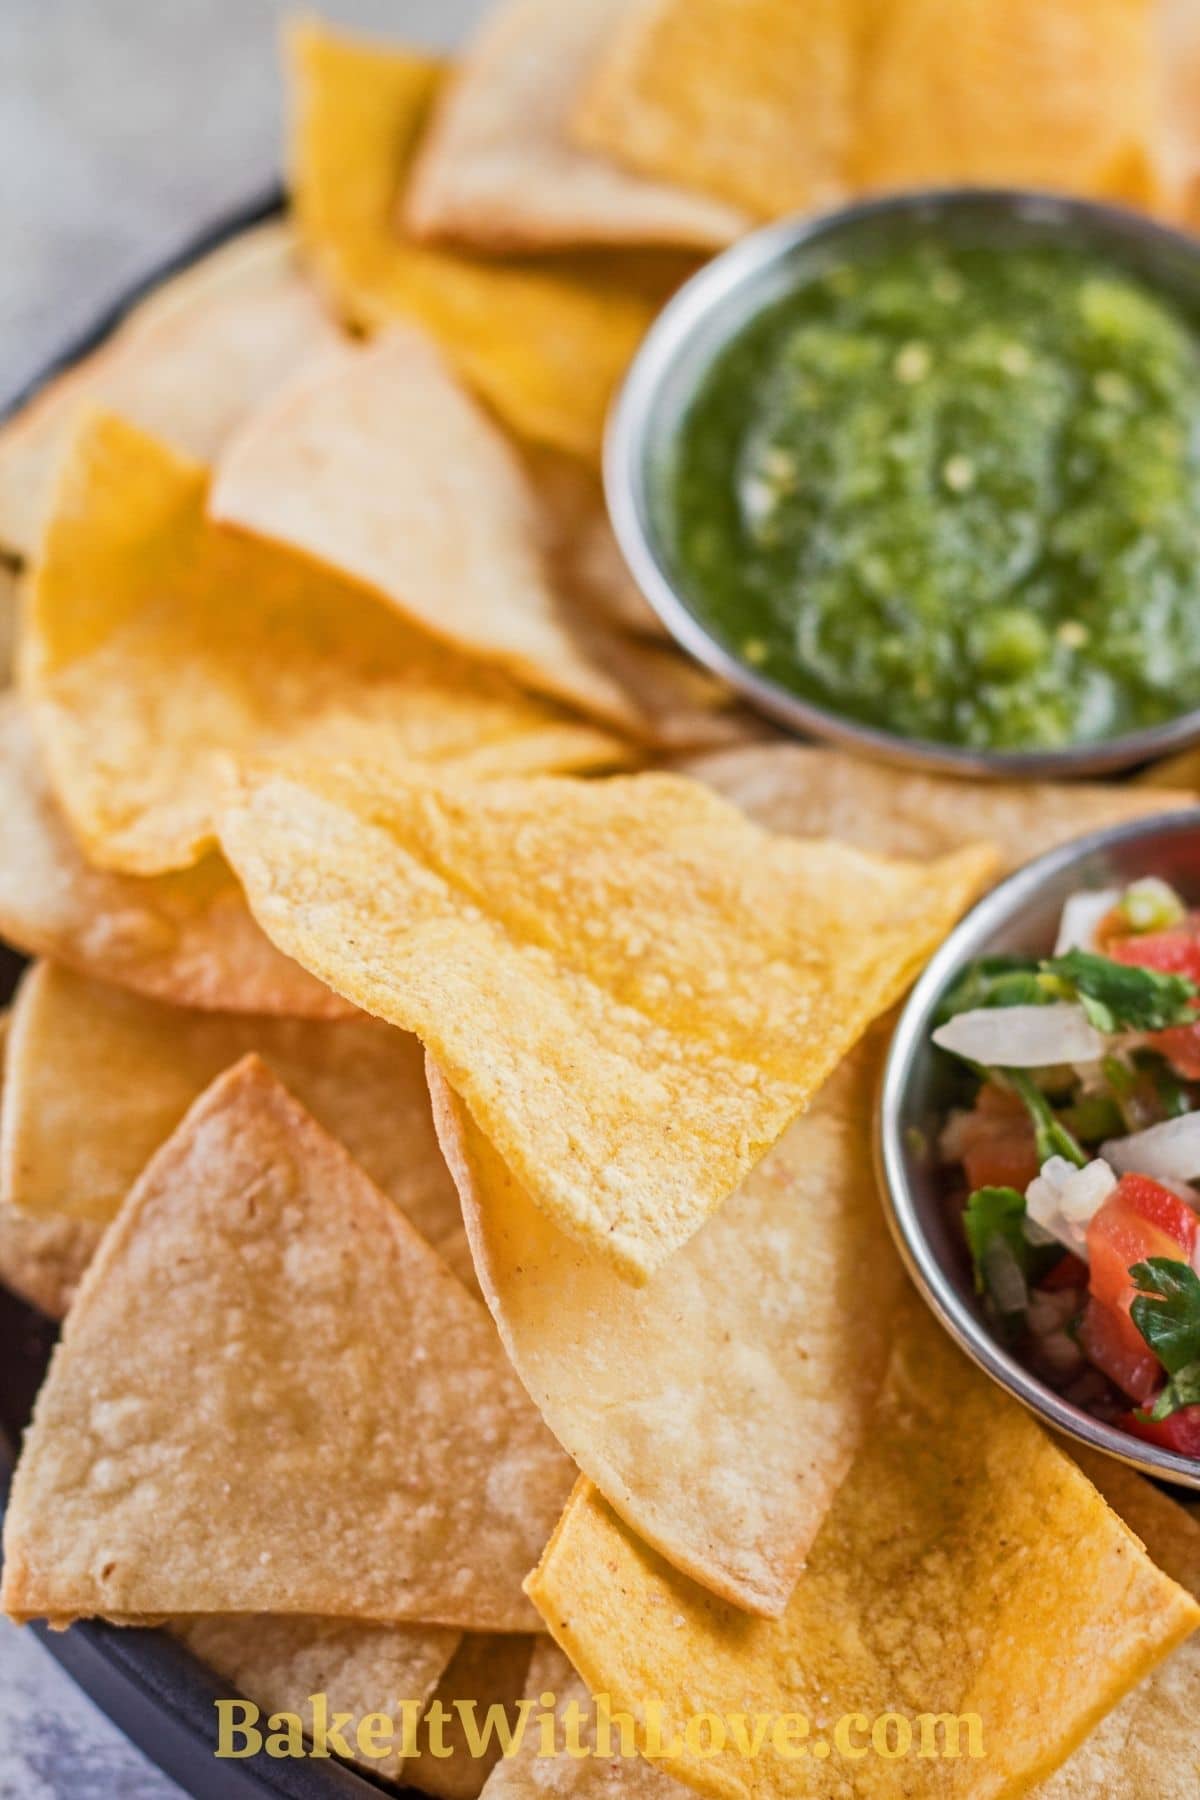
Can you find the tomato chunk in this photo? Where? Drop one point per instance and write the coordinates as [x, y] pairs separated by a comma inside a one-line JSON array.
[[996, 1142], [1179, 1432], [1070, 1272], [1109, 1338], [1140, 1219], [1173, 952]]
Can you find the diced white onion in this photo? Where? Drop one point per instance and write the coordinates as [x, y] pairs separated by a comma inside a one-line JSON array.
[[1023, 1037], [1168, 1152], [1080, 917], [1063, 1200]]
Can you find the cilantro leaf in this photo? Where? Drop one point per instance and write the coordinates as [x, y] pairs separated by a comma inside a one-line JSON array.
[[1167, 1311], [1122, 997], [1050, 1134], [1182, 1390], [1003, 1259], [993, 981]]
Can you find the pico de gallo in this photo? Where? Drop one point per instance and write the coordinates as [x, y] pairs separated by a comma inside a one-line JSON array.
[[1071, 1155]]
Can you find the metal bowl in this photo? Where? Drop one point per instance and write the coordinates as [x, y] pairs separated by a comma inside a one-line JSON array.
[[1021, 914], [714, 306]]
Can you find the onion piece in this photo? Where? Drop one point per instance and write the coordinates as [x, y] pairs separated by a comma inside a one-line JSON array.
[[1080, 916], [1023, 1037], [1169, 1152], [1062, 1201]]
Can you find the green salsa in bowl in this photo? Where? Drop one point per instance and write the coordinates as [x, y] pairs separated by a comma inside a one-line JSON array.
[[925, 475]]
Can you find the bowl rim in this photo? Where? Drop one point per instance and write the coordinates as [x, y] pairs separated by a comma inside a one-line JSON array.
[[625, 467], [931, 1278]]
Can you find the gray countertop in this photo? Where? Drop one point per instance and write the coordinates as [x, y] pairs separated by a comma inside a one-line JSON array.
[[126, 127]]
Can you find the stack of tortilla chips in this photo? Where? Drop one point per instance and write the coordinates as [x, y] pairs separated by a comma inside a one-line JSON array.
[[438, 1101]]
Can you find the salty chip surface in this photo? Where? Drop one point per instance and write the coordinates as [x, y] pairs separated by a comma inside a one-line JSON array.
[[633, 988], [326, 1424]]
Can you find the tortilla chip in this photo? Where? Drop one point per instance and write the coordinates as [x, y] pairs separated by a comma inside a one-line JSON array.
[[492, 1671], [1179, 56], [581, 545], [633, 988], [1061, 94], [135, 585], [826, 793], [748, 100], [187, 938], [10, 589], [498, 169], [1146, 1748], [186, 364], [281, 1663], [326, 1423], [545, 343], [563, 1777], [1172, 774], [716, 1407], [98, 1078], [936, 1585]]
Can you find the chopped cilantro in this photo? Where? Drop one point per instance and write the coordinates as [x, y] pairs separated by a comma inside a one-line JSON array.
[[1167, 1313], [1003, 1259], [1122, 997], [1050, 1133]]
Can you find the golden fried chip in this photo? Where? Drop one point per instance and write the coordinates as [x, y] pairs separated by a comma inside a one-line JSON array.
[[97, 1078], [826, 793], [633, 988], [566, 1776], [545, 343], [1146, 1748], [188, 938], [1030, 93], [282, 1663], [715, 1408], [203, 350], [948, 1579], [748, 100], [498, 169], [10, 589], [580, 543], [272, 1396], [491, 1671], [135, 586]]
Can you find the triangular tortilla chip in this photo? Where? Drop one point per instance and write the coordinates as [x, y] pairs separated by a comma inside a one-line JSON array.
[[632, 987], [826, 793], [281, 1663], [966, 1567], [97, 1078], [1146, 1748], [715, 1407], [187, 938], [580, 542], [337, 466], [747, 100], [1061, 94], [135, 586], [187, 364], [272, 1396], [498, 169], [545, 343], [491, 1671]]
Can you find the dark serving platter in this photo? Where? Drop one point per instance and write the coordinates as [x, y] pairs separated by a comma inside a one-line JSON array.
[[149, 1685]]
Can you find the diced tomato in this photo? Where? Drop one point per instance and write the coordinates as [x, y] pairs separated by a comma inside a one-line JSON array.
[[1180, 1432], [1181, 1047], [1069, 1272], [1173, 952], [997, 1142], [1140, 1219]]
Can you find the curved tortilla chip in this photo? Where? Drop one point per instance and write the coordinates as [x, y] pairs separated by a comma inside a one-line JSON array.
[[936, 1586], [135, 585], [715, 1408], [825, 793], [545, 343], [498, 169], [97, 1078], [186, 364], [491, 1671], [187, 938], [10, 590], [632, 987], [326, 1424]]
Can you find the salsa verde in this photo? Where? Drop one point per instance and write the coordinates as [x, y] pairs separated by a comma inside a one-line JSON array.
[[954, 492]]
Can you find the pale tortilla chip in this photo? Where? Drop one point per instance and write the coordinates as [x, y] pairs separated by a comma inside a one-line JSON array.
[[1147, 1747], [750, 101], [633, 988], [529, 1772], [826, 793], [715, 1408], [498, 169], [545, 343], [135, 586], [491, 1671], [187, 364], [98, 1078], [272, 1396], [580, 543], [281, 1663], [1062, 94], [949, 1577], [187, 938]]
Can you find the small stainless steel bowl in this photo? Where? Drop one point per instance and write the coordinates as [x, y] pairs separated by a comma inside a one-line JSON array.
[[1021, 914], [714, 306]]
